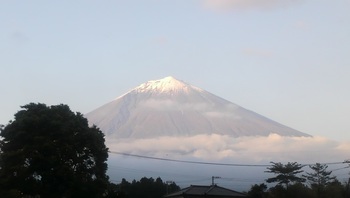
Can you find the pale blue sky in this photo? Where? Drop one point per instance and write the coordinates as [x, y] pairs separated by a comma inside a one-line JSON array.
[[288, 61]]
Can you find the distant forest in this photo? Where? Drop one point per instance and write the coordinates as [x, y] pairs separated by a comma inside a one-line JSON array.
[[145, 188]]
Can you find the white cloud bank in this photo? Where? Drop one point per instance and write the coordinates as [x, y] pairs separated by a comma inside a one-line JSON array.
[[225, 5], [254, 150], [222, 149]]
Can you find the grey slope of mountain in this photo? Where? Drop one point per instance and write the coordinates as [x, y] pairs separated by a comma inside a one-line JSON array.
[[169, 107]]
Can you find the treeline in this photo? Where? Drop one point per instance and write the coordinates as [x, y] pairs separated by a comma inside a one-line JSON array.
[[293, 182], [145, 188]]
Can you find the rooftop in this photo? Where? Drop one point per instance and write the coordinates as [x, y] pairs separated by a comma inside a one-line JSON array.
[[205, 191]]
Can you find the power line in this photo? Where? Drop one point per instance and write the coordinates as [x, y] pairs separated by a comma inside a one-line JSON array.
[[340, 168], [167, 173], [188, 161], [207, 163]]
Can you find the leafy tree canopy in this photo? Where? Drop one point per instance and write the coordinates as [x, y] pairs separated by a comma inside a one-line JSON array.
[[258, 191], [320, 176], [51, 151], [285, 173]]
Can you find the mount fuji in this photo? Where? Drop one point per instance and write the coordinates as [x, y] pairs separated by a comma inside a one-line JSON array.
[[170, 107]]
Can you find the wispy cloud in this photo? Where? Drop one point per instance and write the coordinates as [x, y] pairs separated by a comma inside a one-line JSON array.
[[161, 40], [204, 108], [257, 52], [302, 25], [226, 5], [19, 37]]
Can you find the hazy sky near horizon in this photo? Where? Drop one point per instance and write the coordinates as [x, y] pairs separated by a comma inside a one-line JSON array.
[[288, 60]]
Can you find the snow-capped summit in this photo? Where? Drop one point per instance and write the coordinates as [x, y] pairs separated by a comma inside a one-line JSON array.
[[163, 85], [166, 85], [170, 107]]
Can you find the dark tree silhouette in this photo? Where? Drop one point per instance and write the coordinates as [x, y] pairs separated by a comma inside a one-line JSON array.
[[319, 178], [335, 189], [286, 174], [146, 188], [51, 151], [258, 191]]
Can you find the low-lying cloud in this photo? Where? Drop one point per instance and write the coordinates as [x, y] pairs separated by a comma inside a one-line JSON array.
[[257, 149]]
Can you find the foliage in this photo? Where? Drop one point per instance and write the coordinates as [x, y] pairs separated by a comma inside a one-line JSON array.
[[51, 151], [290, 185], [285, 173], [335, 190], [258, 191], [146, 188], [347, 189], [299, 190], [319, 178], [277, 191], [296, 190]]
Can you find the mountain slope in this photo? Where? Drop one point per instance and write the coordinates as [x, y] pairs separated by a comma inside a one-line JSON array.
[[169, 107]]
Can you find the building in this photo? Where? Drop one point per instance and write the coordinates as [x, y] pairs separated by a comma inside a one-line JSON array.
[[213, 191]]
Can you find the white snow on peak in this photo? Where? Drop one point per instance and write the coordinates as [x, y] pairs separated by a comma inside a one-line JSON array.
[[167, 84]]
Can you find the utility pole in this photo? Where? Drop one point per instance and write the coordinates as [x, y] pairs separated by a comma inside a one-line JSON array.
[[212, 179]]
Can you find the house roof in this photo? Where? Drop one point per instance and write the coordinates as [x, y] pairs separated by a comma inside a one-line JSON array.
[[213, 190]]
